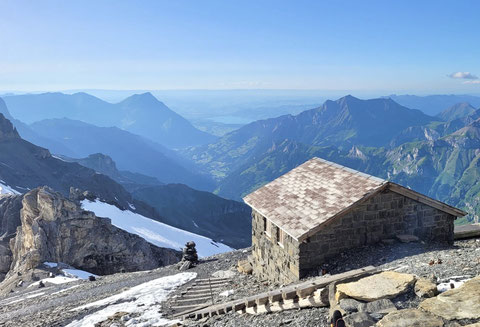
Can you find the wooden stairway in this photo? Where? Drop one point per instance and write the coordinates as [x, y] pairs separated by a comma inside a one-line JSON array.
[[305, 294], [198, 295]]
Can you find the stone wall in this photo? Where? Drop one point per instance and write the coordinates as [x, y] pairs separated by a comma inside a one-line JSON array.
[[271, 261], [383, 216]]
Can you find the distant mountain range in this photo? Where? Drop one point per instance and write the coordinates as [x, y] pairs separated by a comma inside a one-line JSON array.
[[434, 104], [131, 152], [343, 123], [435, 155], [141, 114], [459, 110]]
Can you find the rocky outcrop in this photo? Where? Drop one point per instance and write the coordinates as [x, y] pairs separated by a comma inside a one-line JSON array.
[[10, 206], [388, 284], [458, 303], [409, 318], [56, 229], [425, 288], [7, 131]]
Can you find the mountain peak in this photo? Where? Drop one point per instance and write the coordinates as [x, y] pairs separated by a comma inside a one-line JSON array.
[[348, 97], [7, 131], [146, 99]]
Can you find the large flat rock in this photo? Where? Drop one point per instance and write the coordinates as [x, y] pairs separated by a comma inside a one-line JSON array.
[[410, 318], [386, 285], [459, 303]]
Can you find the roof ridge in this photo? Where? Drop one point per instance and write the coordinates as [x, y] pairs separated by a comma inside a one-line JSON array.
[[351, 170]]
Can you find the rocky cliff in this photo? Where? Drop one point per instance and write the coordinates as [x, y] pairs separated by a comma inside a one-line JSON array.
[[10, 206], [55, 229]]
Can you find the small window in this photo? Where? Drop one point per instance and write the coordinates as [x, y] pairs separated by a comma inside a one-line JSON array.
[[280, 236], [268, 227]]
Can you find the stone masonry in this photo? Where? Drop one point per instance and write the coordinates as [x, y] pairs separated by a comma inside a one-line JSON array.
[[382, 216]]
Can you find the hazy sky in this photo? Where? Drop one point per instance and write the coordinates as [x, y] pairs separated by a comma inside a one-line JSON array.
[[396, 46]]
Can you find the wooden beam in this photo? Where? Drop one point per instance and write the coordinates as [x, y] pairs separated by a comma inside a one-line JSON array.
[[466, 231]]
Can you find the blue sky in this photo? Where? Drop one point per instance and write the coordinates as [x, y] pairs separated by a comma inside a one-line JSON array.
[[385, 46]]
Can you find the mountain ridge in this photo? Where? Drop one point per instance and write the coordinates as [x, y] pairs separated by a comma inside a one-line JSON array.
[[140, 113]]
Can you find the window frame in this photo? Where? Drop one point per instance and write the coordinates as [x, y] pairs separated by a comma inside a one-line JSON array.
[[281, 237], [268, 228]]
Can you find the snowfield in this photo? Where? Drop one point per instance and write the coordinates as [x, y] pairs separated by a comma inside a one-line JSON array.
[[155, 232], [142, 301]]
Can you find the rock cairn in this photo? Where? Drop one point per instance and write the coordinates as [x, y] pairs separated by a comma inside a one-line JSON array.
[[190, 256]]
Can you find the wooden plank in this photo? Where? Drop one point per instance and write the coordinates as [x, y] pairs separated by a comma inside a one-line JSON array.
[[262, 300], [307, 290], [290, 293], [466, 231], [275, 296], [250, 301]]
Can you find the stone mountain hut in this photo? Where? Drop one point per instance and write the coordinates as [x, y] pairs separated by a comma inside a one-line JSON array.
[[320, 209]]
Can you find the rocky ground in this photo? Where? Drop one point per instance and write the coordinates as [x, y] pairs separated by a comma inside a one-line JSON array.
[[50, 306]]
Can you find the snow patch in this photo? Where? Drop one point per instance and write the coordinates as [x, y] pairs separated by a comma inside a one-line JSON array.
[[142, 300], [54, 280], [155, 232], [57, 157], [70, 275], [5, 189], [443, 287], [76, 273], [227, 293]]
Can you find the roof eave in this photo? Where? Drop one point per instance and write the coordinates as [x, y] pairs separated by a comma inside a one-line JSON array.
[[426, 200]]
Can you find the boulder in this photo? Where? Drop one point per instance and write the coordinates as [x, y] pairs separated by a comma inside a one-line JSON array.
[[382, 306], [349, 305], [244, 267], [359, 319], [425, 288], [410, 318], [458, 303], [385, 285], [224, 274]]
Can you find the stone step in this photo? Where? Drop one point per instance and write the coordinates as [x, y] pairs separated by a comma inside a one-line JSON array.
[[212, 280], [212, 283], [205, 288], [198, 301], [195, 295], [184, 307]]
